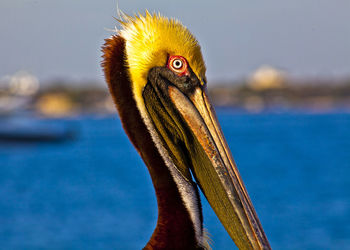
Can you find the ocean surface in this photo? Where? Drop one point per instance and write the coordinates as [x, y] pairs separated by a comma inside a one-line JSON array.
[[95, 193]]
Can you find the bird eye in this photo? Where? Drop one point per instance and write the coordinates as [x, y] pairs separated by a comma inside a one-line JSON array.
[[178, 65]]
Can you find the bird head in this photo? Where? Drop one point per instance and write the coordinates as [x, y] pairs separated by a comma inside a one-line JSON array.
[[156, 41]]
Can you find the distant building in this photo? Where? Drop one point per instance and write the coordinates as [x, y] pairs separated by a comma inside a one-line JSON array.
[[23, 83], [16, 91], [55, 105], [266, 77]]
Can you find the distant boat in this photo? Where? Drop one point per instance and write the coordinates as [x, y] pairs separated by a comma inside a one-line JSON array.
[[35, 130]]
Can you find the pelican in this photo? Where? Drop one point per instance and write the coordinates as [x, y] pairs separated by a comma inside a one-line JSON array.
[[155, 73]]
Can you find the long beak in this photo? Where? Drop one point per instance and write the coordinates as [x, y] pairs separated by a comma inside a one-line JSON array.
[[215, 170]]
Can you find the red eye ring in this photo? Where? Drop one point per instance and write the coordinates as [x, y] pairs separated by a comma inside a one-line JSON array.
[[178, 65]]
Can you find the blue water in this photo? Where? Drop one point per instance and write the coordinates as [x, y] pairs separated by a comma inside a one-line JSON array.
[[95, 192]]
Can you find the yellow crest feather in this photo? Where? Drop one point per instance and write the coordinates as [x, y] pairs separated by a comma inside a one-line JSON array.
[[149, 41]]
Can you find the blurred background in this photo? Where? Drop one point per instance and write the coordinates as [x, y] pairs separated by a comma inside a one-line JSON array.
[[278, 73]]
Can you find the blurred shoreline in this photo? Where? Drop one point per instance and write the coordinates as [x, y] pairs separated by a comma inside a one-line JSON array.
[[308, 97], [267, 90]]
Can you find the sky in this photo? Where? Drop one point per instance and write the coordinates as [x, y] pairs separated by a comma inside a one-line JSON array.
[[62, 39]]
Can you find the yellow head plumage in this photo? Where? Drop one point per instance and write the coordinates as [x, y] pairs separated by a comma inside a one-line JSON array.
[[149, 41]]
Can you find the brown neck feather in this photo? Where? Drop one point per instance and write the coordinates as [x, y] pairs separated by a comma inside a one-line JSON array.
[[174, 229]]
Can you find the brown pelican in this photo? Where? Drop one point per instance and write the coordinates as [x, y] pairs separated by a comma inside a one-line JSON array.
[[156, 76]]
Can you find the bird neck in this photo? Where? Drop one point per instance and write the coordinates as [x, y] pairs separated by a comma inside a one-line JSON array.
[[176, 227]]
